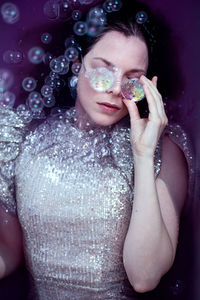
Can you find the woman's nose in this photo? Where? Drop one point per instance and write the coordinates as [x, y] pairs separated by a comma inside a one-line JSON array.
[[116, 87]]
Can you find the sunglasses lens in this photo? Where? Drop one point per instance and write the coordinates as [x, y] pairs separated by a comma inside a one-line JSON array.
[[101, 79], [132, 90]]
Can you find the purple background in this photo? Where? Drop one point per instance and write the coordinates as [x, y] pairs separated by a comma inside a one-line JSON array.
[[184, 18]]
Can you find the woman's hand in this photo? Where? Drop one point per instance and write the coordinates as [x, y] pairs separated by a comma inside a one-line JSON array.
[[145, 132]]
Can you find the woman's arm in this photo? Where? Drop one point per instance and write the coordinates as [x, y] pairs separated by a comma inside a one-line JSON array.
[[11, 249], [150, 244]]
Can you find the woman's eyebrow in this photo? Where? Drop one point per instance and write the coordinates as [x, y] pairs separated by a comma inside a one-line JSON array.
[[108, 63], [105, 61]]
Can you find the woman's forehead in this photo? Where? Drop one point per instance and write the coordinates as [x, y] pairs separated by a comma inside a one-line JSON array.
[[116, 47]]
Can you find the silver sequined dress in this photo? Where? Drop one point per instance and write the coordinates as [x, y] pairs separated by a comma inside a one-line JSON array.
[[73, 191]]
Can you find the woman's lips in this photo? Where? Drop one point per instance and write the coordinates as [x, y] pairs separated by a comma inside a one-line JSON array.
[[107, 107]]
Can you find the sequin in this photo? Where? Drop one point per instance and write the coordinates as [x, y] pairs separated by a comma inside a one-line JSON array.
[[74, 193]]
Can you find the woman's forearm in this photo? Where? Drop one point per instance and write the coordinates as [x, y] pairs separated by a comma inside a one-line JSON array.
[[148, 251]]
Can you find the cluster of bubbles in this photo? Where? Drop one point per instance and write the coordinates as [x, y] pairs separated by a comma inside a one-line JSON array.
[[25, 113], [65, 9], [112, 5], [96, 20], [35, 102], [55, 9], [10, 13], [59, 65], [60, 10]]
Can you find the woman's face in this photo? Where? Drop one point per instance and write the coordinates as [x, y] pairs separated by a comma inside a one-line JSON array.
[[130, 57]]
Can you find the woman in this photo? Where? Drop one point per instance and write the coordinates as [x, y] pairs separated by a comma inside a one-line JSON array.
[[98, 204]]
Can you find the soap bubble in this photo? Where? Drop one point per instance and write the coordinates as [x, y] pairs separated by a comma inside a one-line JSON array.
[[35, 102], [47, 57], [50, 81], [97, 16], [71, 53], [71, 42], [8, 98], [75, 4], [108, 6], [80, 28], [55, 111], [39, 114], [54, 81], [57, 114], [141, 17], [6, 80], [177, 288], [29, 84], [35, 55], [93, 29], [64, 10], [12, 57], [76, 68], [73, 82], [51, 9], [46, 90], [65, 62], [49, 101], [76, 15], [59, 84], [54, 75], [117, 4], [46, 38], [24, 112], [10, 13]]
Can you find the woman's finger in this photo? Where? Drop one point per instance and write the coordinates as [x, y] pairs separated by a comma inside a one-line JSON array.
[[132, 109], [151, 101], [155, 80], [155, 94]]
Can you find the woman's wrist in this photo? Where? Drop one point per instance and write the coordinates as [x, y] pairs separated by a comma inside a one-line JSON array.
[[143, 159]]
